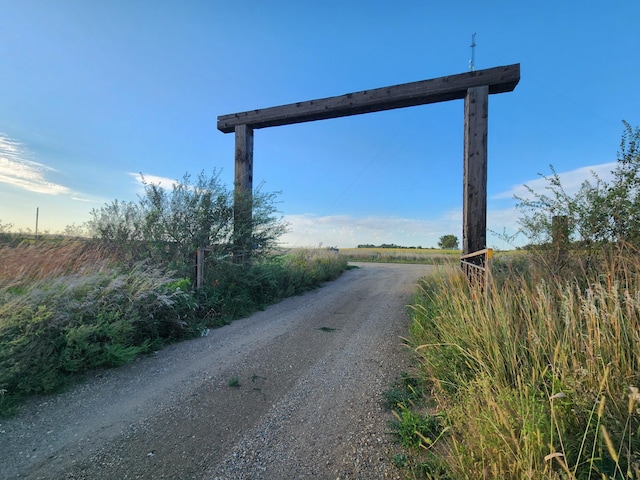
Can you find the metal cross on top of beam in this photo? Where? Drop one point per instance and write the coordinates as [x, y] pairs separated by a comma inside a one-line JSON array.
[[474, 87]]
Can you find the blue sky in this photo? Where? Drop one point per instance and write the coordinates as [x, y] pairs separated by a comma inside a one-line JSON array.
[[95, 92]]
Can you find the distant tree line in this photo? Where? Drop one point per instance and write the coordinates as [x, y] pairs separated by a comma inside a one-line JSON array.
[[446, 242], [386, 245]]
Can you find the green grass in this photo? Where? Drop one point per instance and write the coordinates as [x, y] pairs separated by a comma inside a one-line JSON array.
[[416, 426], [404, 393], [401, 255], [326, 329], [416, 430], [537, 382]]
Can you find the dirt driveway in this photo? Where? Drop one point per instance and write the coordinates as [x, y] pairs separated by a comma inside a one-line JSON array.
[[311, 372]]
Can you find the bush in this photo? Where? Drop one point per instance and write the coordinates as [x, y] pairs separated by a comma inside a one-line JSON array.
[[66, 308], [69, 306], [71, 324], [600, 218], [166, 227], [231, 291]]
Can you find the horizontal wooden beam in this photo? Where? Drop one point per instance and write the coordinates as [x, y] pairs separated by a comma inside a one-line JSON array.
[[453, 87]]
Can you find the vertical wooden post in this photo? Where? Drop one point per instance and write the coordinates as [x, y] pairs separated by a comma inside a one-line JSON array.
[[476, 116], [37, 214], [560, 238], [199, 267], [560, 231], [243, 194]]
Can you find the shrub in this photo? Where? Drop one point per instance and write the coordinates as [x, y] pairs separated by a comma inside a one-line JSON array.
[[231, 291], [71, 324], [67, 308], [167, 226], [600, 218]]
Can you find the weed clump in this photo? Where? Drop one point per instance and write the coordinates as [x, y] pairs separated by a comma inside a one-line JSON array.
[[69, 307]]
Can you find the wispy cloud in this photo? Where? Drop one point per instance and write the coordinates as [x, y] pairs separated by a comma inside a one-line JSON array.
[[18, 170], [86, 200], [350, 231], [571, 181], [147, 178]]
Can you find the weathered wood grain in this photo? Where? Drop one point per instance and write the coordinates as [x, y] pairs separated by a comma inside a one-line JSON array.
[[243, 193], [476, 119], [498, 79]]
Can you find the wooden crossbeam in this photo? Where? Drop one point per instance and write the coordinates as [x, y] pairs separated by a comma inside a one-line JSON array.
[[452, 87]]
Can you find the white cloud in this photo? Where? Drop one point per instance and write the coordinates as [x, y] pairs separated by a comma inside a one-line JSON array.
[[506, 219], [571, 181], [86, 200], [16, 169], [145, 178], [348, 231]]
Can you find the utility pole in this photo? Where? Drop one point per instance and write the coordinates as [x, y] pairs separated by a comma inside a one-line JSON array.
[[37, 213]]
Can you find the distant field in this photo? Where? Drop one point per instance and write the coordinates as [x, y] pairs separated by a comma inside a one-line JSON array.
[[400, 255]]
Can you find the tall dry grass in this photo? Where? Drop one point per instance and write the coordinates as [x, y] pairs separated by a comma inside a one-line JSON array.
[[540, 380], [31, 262]]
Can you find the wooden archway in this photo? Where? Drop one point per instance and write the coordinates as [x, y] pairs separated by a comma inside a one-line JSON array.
[[474, 87]]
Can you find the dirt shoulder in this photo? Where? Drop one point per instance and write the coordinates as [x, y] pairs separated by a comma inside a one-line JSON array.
[[312, 370]]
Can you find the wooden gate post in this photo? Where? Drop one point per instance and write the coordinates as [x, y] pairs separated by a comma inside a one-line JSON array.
[[243, 194], [476, 116]]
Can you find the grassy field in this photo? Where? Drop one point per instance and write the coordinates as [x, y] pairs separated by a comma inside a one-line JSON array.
[[400, 255]]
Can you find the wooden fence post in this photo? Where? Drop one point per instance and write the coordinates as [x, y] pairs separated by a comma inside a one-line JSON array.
[[560, 240], [199, 267]]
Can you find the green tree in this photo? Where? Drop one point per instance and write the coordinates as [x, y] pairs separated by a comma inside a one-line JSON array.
[[175, 222], [601, 218], [116, 223], [448, 242], [169, 225], [600, 212]]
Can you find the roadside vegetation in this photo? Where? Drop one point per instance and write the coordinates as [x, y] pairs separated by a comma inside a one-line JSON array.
[[540, 379], [70, 305]]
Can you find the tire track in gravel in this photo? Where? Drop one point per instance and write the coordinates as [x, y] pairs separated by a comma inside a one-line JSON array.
[[308, 404]]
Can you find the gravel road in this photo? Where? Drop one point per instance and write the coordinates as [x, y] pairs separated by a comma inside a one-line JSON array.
[[312, 371]]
